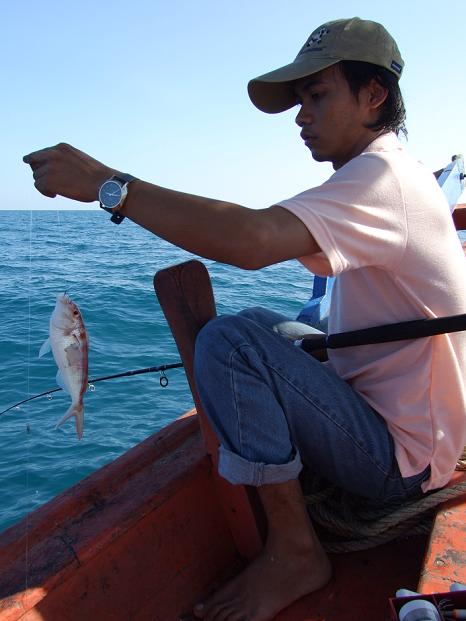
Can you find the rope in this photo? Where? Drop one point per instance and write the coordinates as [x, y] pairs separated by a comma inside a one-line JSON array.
[[461, 463], [351, 523]]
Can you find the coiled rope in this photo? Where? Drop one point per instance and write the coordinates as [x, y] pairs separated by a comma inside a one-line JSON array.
[[349, 523]]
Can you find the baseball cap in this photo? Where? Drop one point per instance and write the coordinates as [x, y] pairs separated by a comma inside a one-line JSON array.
[[342, 39]]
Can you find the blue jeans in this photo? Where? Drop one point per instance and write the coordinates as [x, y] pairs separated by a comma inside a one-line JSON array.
[[275, 407]]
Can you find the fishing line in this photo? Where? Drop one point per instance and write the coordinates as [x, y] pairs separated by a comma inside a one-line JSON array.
[[29, 306], [160, 369], [28, 439], [60, 248], [28, 427]]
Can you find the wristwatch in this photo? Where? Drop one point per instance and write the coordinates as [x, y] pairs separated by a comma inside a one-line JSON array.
[[112, 195]]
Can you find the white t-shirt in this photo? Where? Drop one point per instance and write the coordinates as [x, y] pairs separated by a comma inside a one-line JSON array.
[[385, 230]]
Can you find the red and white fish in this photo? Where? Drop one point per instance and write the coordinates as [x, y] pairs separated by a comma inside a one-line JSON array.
[[69, 344]]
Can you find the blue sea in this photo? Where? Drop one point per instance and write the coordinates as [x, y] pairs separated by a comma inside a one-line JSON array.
[[108, 271]]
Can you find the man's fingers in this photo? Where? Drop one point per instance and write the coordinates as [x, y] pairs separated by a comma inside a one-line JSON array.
[[39, 184], [34, 165], [38, 172], [42, 171], [36, 157], [42, 180], [39, 162], [43, 155]]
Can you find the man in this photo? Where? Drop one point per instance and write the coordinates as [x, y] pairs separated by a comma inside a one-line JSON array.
[[376, 420]]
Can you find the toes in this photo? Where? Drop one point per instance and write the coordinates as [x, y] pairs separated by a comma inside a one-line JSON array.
[[199, 611], [236, 616], [221, 611], [227, 614], [218, 612]]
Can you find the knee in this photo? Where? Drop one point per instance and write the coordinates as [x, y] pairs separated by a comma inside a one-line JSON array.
[[213, 339], [220, 336], [214, 344], [262, 316], [212, 333], [254, 313]]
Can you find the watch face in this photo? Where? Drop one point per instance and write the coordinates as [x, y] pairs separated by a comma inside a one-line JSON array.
[[110, 194]]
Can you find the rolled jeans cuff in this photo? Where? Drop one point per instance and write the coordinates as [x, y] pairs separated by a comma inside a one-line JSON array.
[[240, 471]]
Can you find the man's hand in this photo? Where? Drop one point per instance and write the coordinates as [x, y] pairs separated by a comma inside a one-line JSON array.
[[68, 172]]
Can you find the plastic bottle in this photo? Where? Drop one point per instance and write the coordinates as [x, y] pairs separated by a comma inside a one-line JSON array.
[[456, 586], [419, 610]]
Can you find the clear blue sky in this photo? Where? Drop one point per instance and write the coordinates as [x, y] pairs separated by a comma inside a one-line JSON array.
[[158, 88]]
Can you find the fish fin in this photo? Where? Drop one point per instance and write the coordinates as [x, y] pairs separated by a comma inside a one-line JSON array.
[[73, 346], [61, 382], [45, 349], [80, 340], [77, 410], [80, 422]]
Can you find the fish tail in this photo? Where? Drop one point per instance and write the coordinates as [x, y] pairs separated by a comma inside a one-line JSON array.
[[77, 410]]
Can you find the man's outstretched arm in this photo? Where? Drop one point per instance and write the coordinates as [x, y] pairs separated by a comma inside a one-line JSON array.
[[213, 229]]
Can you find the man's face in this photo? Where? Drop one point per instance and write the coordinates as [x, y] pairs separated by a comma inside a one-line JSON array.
[[332, 120]]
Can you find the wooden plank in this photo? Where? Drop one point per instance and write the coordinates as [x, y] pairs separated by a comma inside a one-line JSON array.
[[185, 295], [89, 497], [120, 532], [445, 560], [362, 584], [459, 217], [154, 570]]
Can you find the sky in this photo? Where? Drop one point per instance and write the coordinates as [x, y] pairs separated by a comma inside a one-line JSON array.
[[158, 89]]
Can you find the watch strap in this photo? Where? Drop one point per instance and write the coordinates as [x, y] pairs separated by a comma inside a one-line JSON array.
[[124, 178], [117, 217]]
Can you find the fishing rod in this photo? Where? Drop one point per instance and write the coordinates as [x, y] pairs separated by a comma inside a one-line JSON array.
[[160, 369], [401, 331]]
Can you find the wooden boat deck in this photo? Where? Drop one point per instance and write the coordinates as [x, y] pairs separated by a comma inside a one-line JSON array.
[[148, 538]]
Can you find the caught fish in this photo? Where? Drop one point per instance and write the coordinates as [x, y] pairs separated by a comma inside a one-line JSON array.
[[69, 344]]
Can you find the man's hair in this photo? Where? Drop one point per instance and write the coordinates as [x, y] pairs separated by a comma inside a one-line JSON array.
[[392, 112]]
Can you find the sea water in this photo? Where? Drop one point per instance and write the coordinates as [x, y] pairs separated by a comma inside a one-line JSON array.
[[108, 271]]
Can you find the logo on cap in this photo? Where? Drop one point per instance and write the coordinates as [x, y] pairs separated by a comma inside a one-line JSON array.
[[316, 37], [396, 66]]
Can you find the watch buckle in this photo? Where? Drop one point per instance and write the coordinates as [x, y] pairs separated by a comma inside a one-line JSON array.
[[117, 217]]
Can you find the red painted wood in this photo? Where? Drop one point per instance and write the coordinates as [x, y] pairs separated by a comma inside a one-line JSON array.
[[147, 538], [362, 584], [185, 295], [459, 217], [97, 491], [123, 540], [156, 569], [445, 560]]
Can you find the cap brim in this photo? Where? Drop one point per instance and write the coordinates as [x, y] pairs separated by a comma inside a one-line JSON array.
[[273, 92]]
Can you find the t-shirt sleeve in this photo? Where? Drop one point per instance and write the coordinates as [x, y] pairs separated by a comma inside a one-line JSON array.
[[357, 217]]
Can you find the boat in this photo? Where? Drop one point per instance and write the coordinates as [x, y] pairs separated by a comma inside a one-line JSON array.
[[152, 533]]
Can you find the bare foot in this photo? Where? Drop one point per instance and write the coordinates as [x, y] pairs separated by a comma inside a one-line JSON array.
[[278, 577]]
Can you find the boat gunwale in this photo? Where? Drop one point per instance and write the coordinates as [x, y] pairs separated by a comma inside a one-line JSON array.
[[103, 506]]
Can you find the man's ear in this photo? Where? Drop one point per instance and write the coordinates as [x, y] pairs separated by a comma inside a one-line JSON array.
[[375, 94]]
